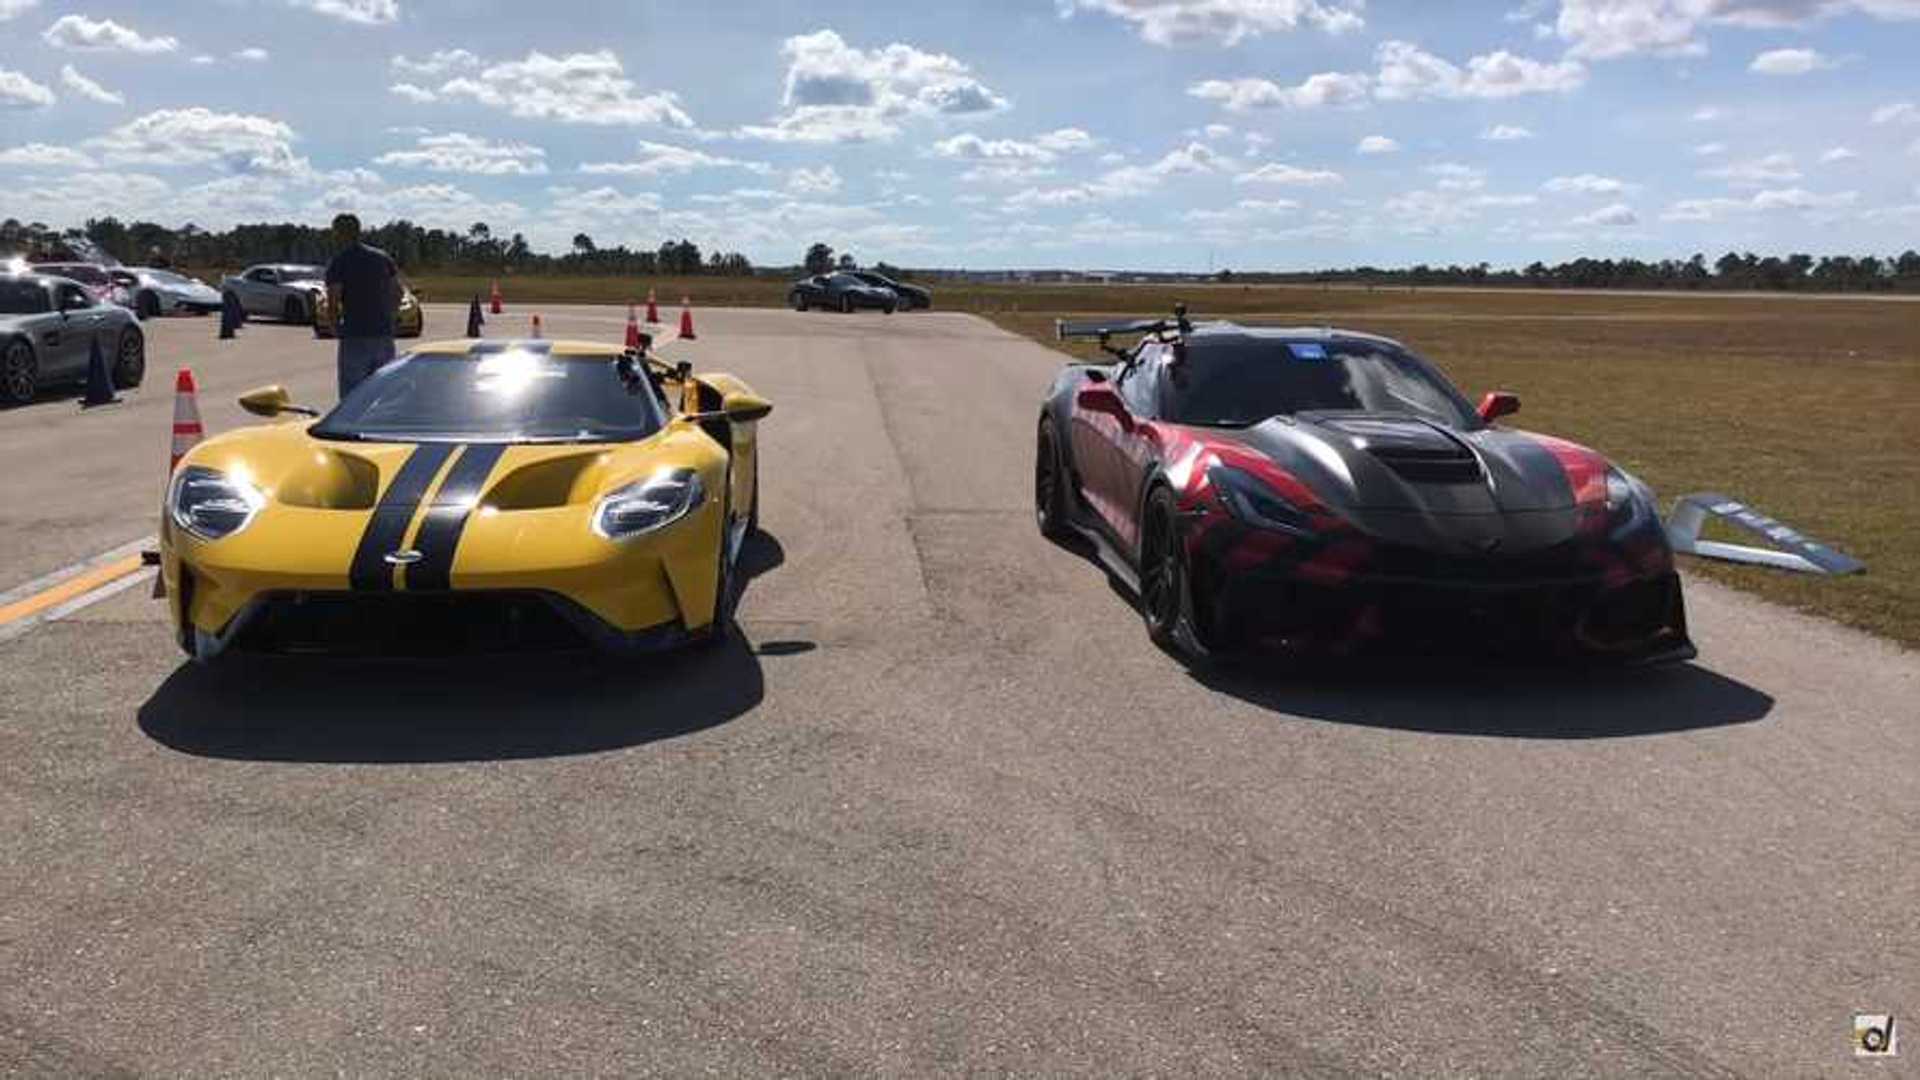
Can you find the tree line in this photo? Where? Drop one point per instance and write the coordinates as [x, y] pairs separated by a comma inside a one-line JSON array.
[[1734, 271], [415, 248]]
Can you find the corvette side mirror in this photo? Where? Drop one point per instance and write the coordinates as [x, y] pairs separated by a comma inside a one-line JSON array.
[[1100, 399], [272, 401], [1498, 403]]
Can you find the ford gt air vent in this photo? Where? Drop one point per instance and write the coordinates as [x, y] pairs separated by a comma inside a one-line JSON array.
[[1420, 452]]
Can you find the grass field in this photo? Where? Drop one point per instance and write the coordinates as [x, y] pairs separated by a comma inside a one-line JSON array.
[[1807, 408]]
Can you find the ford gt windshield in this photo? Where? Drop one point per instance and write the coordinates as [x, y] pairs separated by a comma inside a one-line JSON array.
[[512, 397], [1240, 384]]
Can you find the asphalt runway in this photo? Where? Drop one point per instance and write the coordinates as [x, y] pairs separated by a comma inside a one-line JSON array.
[[940, 809]]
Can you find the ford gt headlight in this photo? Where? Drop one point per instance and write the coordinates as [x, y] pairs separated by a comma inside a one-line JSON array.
[[649, 504], [211, 504], [1254, 503]]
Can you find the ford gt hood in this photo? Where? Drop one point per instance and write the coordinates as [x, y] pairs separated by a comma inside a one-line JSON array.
[[1410, 481]]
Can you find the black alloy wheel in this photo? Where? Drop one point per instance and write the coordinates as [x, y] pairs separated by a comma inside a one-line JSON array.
[[846, 303], [19, 373], [293, 310], [129, 360], [147, 305], [1049, 486], [715, 633]]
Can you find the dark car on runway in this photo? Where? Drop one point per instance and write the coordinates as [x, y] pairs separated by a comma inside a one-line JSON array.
[[912, 297], [1324, 491], [48, 326], [842, 291]]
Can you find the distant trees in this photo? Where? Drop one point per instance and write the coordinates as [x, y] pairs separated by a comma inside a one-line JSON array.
[[416, 249], [819, 259], [1731, 271]]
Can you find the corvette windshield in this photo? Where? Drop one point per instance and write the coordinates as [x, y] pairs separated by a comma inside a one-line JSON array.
[[1239, 384], [518, 396]]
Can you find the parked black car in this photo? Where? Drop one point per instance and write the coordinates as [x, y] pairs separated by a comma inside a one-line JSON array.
[[842, 291], [911, 296]]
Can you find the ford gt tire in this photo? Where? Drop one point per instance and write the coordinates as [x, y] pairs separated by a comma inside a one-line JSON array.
[[798, 301], [715, 632], [19, 372]]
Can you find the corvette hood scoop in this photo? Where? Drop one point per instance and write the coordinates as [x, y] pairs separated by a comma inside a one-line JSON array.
[[1418, 451]]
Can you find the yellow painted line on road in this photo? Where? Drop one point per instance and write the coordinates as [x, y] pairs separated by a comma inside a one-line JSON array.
[[72, 587]]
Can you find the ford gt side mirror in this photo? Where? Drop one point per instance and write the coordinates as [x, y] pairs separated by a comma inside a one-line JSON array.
[[1498, 403], [746, 407], [272, 401]]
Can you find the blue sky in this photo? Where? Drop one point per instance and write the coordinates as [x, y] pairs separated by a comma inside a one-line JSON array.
[[1163, 134]]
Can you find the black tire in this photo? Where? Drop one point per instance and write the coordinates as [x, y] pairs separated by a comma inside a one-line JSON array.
[[147, 306], [19, 372], [1167, 589], [293, 311], [129, 359], [1050, 482], [753, 505], [715, 633], [890, 306], [799, 301], [846, 303]]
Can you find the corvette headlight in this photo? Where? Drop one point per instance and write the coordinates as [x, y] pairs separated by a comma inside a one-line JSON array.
[[1627, 497], [210, 504], [1255, 503], [649, 504]]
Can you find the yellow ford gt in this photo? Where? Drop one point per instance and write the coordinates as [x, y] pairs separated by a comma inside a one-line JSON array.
[[408, 321], [471, 496]]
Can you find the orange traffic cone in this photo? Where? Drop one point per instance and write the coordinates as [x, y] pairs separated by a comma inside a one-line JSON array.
[[633, 328], [493, 297], [536, 325], [653, 310], [686, 318], [187, 431]]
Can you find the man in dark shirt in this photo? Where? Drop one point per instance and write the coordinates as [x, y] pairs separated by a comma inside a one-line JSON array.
[[363, 292]]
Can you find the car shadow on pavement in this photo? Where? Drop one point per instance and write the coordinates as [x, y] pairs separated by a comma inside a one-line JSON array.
[[476, 708], [1477, 698]]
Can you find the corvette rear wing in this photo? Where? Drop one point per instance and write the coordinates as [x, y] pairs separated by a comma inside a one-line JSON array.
[[1102, 329]]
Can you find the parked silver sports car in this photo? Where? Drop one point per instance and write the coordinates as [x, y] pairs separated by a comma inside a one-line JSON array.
[[150, 291], [47, 328], [285, 291]]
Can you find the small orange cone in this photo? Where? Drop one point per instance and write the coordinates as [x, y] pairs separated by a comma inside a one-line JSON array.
[[653, 310], [493, 296], [633, 328], [187, 430], [686, 318]]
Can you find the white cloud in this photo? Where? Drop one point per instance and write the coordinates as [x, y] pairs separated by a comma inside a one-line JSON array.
[[1837, 154], [71, 78], [1127, 181], [1614, 215], [1772, 200], [1067, 141], [1224, 22], [821, 181], [1771, 169], [836, 92], [19, 92], [578, 88], [970, 147], [42, 156], [456, 152], [1009, 161], [1707, 114], [1217, 131], [1709, 149], [235, 142], [1606, 29], [1425, 212], [1788, 62], [1506, 133], [419, 95], [362, 12], [10, 8], [202, 59], [1902, 112], [1328, 89], [1288, 175], [1376, 144], [252, 55], [439, 62], [1586, 184], [1408, 73], [1453, 176], [656, 159], [102, 35]]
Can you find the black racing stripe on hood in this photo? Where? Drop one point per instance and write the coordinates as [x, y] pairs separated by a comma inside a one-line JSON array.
[[387, 528], [446, 518]]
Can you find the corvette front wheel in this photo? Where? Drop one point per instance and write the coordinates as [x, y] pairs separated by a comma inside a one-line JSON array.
[[1167, 589], [1049, 486]]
